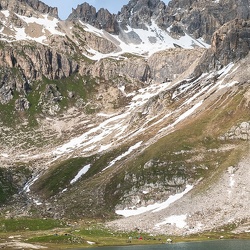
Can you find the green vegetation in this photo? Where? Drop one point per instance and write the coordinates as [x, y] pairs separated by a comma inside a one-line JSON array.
[[24, 224], [59, 176], [185, 153], [7, 189], [56, 234], [9, 181], [81, 88]]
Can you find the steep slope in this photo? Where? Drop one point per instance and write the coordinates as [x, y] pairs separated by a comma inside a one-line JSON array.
[[144, 171], [198, 19], [219, 200]]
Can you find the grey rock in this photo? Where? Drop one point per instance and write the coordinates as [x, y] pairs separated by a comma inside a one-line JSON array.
[[25, 7], [101, 19], [22, 104]]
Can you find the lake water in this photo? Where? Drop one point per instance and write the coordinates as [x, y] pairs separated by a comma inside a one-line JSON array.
[[208, 245]]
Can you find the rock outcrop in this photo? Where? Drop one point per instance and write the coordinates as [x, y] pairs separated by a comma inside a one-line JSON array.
[[27, 7], [238, 132], [230, 43], [202, 18], [22, 65], [101, 19]]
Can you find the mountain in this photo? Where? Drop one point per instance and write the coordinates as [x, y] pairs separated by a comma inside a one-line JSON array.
[[143, 111]]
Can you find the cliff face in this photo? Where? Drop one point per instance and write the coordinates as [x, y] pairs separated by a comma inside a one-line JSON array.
[[230, 43], [22, 7], [203, 18], [101, 19]]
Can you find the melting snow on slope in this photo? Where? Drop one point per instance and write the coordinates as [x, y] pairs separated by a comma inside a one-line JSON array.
[[187, 113], [154, 207], [93, 136], [224, 71], [116, 124], [5, 155], [129, 151], [21, 35], [30, 183], [177, 220], [153, 40], [83, 171], [6, 13], [49, 24], [183, 116]]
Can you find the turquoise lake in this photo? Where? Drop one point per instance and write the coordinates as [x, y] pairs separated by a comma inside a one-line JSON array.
[[208, 245]]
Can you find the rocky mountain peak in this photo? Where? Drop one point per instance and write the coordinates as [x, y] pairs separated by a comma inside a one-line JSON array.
[[101, 19], [230, 43], [202, 18], [28, 7], [138, 14]]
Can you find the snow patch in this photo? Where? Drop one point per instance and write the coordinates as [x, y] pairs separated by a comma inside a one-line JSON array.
[[6, 13], [4, 155], [183, 116], [30, 183], [83, 171], [37, 202], [105, 147], [91, 242], [175, 220], [187, 113], [92, 29], [152, 40], [173, 198], [224, 71], [49, 24], [130, 150], [228, 85], [154, 207]]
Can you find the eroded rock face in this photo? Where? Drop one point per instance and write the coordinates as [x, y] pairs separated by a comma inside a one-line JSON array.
[[230, 43], [35, 60], [138, 14], [198, 18], [27, 7], [240, 131], [101, 19], [179, 17], [202, 18]]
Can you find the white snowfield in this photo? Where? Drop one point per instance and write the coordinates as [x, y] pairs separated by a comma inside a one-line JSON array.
[[48, 25], [154, 207], [82, 172], [161, 41]]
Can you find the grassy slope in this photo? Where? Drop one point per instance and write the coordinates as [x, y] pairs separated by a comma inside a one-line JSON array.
[[56, 234], [196, 137]]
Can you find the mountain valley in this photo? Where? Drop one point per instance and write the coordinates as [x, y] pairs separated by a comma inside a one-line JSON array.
[[139, 118]]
